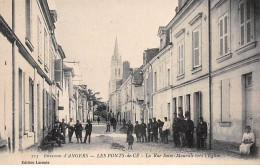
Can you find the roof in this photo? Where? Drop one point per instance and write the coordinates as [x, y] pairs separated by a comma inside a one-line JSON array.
[[149, 54], [138, 76]]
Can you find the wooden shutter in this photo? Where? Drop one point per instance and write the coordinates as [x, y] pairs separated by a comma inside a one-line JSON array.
[[58, 70]]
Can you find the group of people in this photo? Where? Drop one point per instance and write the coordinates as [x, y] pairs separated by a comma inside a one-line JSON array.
[[78, 128], [182, 130], [58, 134]]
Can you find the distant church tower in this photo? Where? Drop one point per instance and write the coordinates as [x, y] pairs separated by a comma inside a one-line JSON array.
[[116, 67]]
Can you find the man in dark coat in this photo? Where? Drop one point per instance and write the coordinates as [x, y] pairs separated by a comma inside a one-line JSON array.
[[182, 130], [78, 131], [113, 123], [189, 131], [150, 131], [137, 131], [71, 130], [155, 128], [63, 127], [130, 128], [88, 129], [176, 130], [201, 133], [143, 131], [98, 120]]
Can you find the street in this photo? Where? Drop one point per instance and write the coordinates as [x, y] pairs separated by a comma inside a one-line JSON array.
[[113, 144]]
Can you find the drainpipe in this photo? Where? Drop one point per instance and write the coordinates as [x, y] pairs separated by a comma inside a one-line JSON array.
[[210, 78], [13, 81]]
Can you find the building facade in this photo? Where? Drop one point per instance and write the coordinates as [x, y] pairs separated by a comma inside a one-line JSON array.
[[132, 96], [147, 70], [235, 69], [30, 79]]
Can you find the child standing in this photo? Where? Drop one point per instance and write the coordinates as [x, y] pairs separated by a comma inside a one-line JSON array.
[[130, 140]]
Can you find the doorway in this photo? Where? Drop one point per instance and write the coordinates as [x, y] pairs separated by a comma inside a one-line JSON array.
[[248, 102]]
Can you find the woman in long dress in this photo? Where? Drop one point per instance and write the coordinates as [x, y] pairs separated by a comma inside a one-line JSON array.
[[248, 142]]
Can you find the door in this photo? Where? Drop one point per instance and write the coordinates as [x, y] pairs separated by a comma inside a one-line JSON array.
[[20, 108], [174, 107], [248, 100], [197, 107]]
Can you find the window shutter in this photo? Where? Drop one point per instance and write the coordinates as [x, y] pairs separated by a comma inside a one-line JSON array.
[[225, 99], [58, 70]]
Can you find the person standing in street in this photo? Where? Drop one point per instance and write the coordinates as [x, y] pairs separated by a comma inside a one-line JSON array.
[[143, 131], [130, 128], [201, 133], [71, 130], [160, 125], [165, 129], [149, 130], [155, 130], [98, 120], [189, 130], [182, 130], [176, 130], [113, 123], [88, 129], [108, 126], [137, 131], [63, 127], [78, 131], [130, 140]]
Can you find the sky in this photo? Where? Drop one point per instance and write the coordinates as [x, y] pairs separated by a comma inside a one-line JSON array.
[[87, 29]]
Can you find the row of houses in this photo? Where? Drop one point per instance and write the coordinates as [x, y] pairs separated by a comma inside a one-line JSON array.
[[36, 86], [207, 64]]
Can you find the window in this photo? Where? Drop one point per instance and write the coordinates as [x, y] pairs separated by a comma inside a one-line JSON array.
[[246, 22], [46, 50], [161, 43], [39, 39], [225, 99], [118, 72], [248, 80], [181, 59], [58, 70], [115, 72], [28, 19], [196, 47], [155, 81], [223, 35], [169, 77]]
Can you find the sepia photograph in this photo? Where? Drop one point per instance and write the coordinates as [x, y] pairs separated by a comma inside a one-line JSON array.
[[129, 82]]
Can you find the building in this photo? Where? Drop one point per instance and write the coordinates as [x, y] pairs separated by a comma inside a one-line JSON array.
[[148, 55], [161, 70], [66, 98], [132, 96], [119, 73], [116, 67], [31, 68], [235, 70]]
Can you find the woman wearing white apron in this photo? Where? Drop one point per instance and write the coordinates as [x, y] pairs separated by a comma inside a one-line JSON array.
[[248, 142]]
